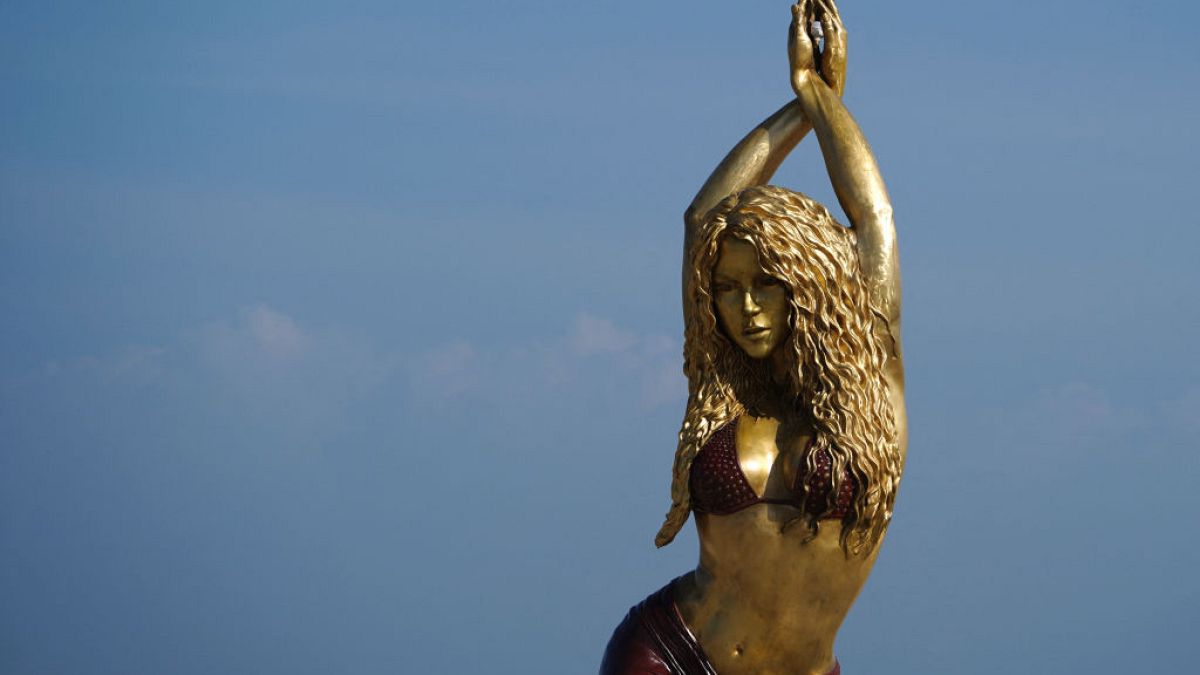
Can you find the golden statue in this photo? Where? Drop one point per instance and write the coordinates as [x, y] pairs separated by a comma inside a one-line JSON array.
[[794, 437]]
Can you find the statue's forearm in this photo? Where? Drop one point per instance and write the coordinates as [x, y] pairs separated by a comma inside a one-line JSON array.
[[860, 189], [848, 158], [752, 161]]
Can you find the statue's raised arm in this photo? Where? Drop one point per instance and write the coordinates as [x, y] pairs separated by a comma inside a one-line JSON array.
[[848, 158]]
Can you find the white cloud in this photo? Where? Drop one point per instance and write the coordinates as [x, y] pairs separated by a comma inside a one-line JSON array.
[[1078, 413], [594, 335], [593, 356], [276, 334], [260, 337], [1069, 417], [1076, 404], [648, 366], [282, 373], [263, 366], [135, 362]]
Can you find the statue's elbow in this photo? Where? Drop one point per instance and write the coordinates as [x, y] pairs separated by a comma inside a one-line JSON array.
[[882, 214]]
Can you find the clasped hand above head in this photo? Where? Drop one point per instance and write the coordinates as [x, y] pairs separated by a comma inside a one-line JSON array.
[[817, 44]]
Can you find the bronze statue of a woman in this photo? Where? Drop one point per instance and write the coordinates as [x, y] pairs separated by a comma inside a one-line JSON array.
[[794, 437]]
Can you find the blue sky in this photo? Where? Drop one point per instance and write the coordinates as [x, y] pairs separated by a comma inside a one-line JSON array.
[[345, 337]]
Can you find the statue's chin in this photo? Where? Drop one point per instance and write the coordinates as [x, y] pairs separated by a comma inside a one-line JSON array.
[[757, 352]]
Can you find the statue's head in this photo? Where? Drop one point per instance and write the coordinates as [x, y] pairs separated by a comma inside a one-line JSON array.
[[779, 318], [751, 304], [773, 285]]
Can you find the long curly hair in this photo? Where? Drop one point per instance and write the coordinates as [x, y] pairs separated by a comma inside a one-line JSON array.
[[834, 357]]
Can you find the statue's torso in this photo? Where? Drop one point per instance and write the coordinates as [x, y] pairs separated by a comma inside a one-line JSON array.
[[765, 600]]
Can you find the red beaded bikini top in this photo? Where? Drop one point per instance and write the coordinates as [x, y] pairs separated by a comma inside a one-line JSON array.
[[719, 486]]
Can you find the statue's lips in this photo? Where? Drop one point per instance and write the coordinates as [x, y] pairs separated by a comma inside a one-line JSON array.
[[756, 331]]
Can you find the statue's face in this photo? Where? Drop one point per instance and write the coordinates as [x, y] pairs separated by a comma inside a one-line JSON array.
[[751, 305]]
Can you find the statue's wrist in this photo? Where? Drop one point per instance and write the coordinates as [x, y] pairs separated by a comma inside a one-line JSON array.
[[802, 79]]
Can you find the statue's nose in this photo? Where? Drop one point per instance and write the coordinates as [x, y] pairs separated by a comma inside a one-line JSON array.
[[749, 306]]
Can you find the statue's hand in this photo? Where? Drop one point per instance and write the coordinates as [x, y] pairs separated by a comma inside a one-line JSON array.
[[803, 39], [833, 53], [801, 47]]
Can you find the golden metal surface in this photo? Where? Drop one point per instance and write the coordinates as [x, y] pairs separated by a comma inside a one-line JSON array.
[[792, 327]]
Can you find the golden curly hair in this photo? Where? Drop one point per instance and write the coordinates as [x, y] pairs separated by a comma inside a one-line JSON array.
[[834, 354]]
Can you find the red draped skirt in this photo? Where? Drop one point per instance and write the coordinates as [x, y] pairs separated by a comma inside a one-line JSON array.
[[654, 640]]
